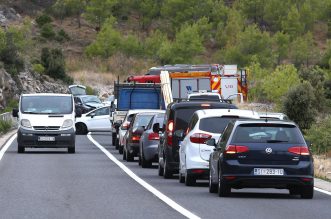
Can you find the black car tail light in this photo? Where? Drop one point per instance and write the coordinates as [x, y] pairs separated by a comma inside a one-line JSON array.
[[135, 138], [170, 130], [299, 150], [199, 138], [234, 149]]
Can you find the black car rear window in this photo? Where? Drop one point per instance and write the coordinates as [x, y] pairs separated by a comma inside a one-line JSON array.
[[267, 133], [215, 124], [183, 117]]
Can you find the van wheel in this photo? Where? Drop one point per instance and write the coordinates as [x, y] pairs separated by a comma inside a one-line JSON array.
[[189, 179], [167, 173], [307, 192], [71, 150], [81, 129], [223, 189], [20, 149]]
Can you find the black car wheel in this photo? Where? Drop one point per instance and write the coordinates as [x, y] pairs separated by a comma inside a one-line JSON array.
[[167, 174], [189, 179], [71, 150], [117, 144], [223, 189], [20, 149], [81, 129], [212, 186], [129, 156], [307, 192]]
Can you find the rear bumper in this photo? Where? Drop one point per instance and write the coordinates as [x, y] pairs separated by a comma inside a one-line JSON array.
[[29, 138], [150, 152], [199, 173], [133, 148], [268, 182]]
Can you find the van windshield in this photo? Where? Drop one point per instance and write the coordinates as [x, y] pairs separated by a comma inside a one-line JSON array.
[[47, 104]]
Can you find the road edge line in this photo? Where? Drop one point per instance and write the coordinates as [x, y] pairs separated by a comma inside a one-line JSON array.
[[322, 191], [8, 143], [143, 183]]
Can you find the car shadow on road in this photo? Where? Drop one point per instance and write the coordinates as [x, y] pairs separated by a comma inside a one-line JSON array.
[[263, 195]]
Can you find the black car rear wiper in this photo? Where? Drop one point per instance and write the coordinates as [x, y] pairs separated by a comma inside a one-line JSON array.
[[275, 141]]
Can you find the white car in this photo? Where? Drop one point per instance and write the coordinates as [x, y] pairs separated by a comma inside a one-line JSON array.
[[126, 124], [280, 116], [194, 153], [205, 96], [96, 120]]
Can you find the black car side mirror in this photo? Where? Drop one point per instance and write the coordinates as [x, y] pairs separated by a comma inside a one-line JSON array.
[[78, 113], [156, 128], [179, 134], [211, 142], [117, 123], [15, 113]]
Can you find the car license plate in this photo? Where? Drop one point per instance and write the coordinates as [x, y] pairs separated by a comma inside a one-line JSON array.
[[46, 138], [268, 172]]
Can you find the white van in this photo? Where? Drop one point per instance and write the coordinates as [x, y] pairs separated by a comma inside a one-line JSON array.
[[46, 120]]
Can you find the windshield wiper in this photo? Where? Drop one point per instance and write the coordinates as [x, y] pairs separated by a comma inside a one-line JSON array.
[[30, 112], [275, 141]]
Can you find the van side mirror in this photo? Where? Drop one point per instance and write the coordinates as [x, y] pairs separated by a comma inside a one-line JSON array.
[[179, 134], [156, 127], [211, 142], [15, 113]]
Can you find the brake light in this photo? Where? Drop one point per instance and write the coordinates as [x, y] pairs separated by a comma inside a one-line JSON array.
[[153, 136], [135, 138], [205, 105], [198, 171], [170, 129], [234, 149], [199, 138], [299, 150]]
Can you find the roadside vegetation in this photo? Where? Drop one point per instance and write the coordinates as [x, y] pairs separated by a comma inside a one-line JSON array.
[[286, 47]]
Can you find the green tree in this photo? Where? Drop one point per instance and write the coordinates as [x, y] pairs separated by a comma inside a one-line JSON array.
[[108, 41], [252, 9], [275, 13], [187, 11], [292, 24], [277, 84], [326, 57], [281, 42], [303, 50], [153, 42], [98, 11], [320, 136], [298, 104], [307, 15], [147, 11], [71, 7], [256, 77]]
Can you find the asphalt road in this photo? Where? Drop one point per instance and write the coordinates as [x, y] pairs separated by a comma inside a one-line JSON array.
[[50, 183]]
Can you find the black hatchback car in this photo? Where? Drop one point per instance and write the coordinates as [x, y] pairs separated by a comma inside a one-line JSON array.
[[178, 115], [261, 154]]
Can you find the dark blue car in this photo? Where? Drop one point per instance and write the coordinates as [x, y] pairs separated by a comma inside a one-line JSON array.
[[261, 154]]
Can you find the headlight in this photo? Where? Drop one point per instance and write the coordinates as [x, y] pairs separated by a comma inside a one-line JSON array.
[[26, 123], [67, 123]]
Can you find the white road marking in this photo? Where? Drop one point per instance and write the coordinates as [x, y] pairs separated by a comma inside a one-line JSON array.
[[9, 142], [323, 191], [143, 183]]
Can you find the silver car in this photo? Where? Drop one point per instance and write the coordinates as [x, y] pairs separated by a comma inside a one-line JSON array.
[[149, 142]]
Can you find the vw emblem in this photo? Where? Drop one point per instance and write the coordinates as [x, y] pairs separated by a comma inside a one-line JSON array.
[[268, 150]]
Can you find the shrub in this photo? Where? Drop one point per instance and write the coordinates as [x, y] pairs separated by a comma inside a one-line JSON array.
[[298, 104], [62, 36], [53, 62], [43, 19], [47, 31], [5, 126], [39, 68], [90, 90], [320, 136]]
